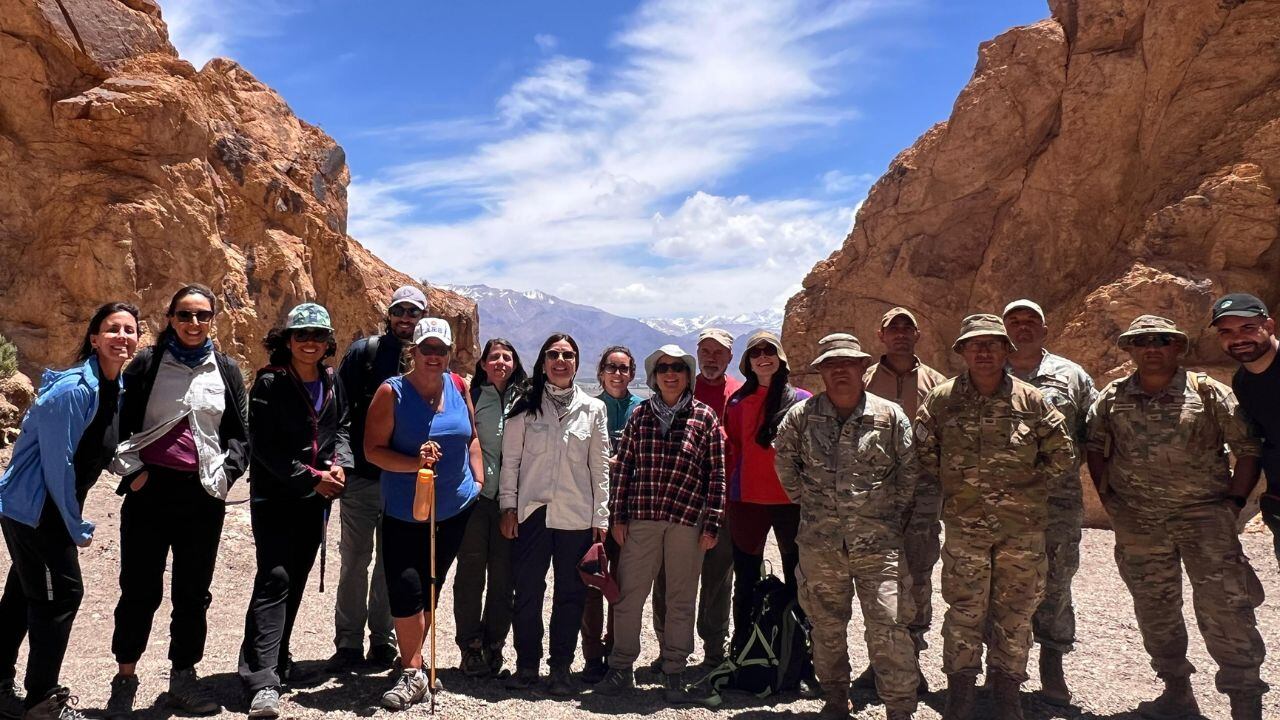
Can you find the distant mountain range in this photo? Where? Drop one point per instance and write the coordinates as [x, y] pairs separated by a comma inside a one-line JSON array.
[[527, 318]]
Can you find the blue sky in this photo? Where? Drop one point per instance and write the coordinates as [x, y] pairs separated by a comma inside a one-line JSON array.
[[653, 158]]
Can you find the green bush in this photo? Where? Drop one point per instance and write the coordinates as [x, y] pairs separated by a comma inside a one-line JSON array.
[[8, 358]]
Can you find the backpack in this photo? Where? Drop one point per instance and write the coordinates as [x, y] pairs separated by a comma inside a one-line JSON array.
[[778, 652]]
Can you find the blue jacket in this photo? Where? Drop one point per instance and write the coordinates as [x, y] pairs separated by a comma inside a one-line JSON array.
[[42, 458]]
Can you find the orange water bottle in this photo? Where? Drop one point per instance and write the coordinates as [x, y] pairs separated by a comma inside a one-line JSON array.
[[424, 494]]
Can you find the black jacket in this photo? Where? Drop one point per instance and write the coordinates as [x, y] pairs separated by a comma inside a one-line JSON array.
[[292, 444], [367, 364], [233, 431]]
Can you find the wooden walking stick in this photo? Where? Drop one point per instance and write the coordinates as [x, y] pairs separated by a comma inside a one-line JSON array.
[[424, 508]]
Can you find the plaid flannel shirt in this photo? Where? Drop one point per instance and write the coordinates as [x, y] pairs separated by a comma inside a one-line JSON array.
[[678, 478]]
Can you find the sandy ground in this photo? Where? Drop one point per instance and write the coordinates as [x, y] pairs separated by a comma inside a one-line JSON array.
[[1109, 671]]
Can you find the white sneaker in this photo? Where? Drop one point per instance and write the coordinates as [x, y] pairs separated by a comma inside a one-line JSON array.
[[410, 688]]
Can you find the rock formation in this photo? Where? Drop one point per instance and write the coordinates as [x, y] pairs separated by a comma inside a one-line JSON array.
[[1121, 157], [125, 173]]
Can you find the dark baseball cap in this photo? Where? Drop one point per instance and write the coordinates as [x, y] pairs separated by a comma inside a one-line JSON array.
[[1238, 305]]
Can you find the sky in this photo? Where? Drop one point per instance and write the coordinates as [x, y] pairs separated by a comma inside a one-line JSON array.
[[655, 158]]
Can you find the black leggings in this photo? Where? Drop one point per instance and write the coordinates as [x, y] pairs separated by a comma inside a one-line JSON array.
[[406, 559], [42, 594]]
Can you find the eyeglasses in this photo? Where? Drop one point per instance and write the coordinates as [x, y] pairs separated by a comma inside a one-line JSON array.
[[615, 369], [561, 355], [762, 350], [436, 350], [312, 335], [661, 368], [1152, 341], [187, 316], [412, 311]]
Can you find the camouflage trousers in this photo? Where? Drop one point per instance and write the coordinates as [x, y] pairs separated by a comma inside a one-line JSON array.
[[993, 584], [1150, 553], [829, 578], [1054, 623], [922, 545]]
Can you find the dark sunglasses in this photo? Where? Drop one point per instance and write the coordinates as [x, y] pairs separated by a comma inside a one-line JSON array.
[[615, 369], [187, 316], [412, 311], [561, 355], [762, 351], [312, 335], [438, 350], [1152, 341], [661, 368]]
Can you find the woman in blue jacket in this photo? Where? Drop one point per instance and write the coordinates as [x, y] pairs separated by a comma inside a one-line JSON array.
[[68, 438]]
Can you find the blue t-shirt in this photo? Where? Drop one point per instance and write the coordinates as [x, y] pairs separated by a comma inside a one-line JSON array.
[[417, 422]]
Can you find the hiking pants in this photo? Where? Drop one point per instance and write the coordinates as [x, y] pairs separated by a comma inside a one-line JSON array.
[[535, 549], [749, 526], [651, 545], [484, 559], [714, 595], [360, 599]]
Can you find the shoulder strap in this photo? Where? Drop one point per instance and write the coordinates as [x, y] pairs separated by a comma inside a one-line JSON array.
[[459, 383], [371, 352]]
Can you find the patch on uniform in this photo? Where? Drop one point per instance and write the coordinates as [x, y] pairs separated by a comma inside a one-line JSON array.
[[922, 432]]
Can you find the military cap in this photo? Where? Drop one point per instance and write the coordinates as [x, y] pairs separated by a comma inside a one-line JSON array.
[[980, 325], [1149, 325], [895, 312], [757, 337], [838, 345]]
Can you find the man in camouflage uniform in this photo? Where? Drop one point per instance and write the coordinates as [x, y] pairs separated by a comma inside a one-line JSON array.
[[847, 458], [1155, 449], [994, 443], [1070, 390]]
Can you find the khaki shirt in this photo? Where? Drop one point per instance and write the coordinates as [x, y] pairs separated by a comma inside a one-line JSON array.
[[1166, 450], [994, 456], [1070, 390], [853, 479], [908, 389]]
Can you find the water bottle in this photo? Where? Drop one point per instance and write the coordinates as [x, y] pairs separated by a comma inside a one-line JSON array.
[[424, 494]]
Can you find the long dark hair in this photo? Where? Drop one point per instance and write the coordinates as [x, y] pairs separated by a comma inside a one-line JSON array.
[[531, 401], [278, 353], [518, 375], [95, 324], [780, 397], [191, 289]]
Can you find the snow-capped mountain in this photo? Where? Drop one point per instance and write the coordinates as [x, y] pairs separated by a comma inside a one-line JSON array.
[[746, 322]]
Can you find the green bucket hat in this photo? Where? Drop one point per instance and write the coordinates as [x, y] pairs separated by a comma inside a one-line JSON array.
[[979, 325], [309, 315], [838, 345], [1150, 325]]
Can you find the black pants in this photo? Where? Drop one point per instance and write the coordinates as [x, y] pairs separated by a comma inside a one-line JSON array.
[[483, 559], [536, 548], [406, 559], [171, 512], [750, 524], [41, 596], [286, 537]]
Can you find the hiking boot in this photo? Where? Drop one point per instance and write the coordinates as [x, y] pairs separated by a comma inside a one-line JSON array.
[[615, 682], [524, 679], [265, 703], [1053, 683], [383, 657], [810, 689], [865, 681], [410, 688], [1246, 707], [188, 694], [1007, 700], [559, 684], [835, 709], [1176, 702], [673, 688], [961, 697], [494, 660], [473, 664], [655, 667], [59, 704], [11, 707], [344, 660], [703, 693], [898, 714], [291, 673], [124, 688], [707, 665], [594, 671]]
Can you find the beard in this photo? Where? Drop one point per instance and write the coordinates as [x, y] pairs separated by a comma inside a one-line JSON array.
[[1248, 352]]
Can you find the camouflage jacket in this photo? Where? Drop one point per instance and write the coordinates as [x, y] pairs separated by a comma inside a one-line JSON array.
[[1070, 390], [994, 456], [853, 479], [1166, 451]]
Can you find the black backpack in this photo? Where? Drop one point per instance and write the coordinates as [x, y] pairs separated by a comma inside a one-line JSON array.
[[778, 651]]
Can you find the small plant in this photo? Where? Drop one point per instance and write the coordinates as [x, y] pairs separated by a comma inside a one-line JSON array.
[[8, 358]]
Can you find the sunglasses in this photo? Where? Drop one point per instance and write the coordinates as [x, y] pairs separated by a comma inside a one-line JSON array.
[[1152, 341], [762, 351], [412, 311], [312, 335], [561, 355], [661, 368], [188, 316], [436, 350], [615, 369]]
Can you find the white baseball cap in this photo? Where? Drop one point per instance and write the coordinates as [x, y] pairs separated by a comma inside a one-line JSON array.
[[1023, 304], [432, 327]]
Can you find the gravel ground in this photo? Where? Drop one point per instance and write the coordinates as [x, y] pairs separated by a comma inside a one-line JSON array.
[[1109, 671]]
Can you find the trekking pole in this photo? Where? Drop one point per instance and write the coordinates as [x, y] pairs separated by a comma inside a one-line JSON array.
[[424, 508]]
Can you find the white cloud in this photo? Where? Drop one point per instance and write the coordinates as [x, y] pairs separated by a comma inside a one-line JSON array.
[[204, 29], [545, 42]]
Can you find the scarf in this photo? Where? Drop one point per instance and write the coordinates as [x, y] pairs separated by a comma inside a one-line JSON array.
[[560, 398], [191, 357], [667, 413]]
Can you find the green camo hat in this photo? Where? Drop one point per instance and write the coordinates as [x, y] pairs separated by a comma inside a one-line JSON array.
[[309, 315], [1149, 325], [979, 325], [838, 345]]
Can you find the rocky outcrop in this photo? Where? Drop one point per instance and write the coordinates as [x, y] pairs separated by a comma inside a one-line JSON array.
[[1121, 157], [126, 173]]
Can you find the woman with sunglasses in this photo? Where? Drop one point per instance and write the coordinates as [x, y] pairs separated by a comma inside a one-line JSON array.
[[422, 418], [299, 434], [482, 623], [184, 442], [757, 502], [68, 437], [554, 497]]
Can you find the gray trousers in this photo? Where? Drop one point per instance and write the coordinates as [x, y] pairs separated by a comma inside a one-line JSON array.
[[360, 601]]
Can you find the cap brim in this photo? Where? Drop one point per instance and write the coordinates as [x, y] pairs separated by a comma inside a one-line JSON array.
[[955, 346], [1238, 313], [842, 353], [1123, 344]]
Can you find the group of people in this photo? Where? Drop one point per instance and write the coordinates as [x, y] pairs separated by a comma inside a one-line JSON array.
[[674, 495]]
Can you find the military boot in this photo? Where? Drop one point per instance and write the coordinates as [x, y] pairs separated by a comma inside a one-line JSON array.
[[836, 708], [1053, 683], [961, 696], [1176, 702], [1008, 702], [1246, 707]]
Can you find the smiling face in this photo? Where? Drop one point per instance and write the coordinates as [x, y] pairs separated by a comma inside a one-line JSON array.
[[1026, 328], [403, 317], [617, 374], [673, 377], [308, 345], [764, 361], [985, 354], [499, 364], [899, 336], [116, 339], [191, 319], [560, 363], [713, 359], [432, 355], [1154, 358], [1245, 339]]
